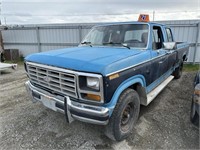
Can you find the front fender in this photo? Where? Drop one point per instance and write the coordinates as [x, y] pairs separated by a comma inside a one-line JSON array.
[[124, 85]]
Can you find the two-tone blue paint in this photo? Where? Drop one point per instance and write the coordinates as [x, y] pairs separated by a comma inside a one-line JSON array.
[[102, 60], [137, 79], [132, 65], [127, 83], [159, 80]]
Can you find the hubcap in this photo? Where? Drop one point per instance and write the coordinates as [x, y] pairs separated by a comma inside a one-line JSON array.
[[126, 117]]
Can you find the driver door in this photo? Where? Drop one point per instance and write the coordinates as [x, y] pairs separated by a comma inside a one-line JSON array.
[[159, 55]]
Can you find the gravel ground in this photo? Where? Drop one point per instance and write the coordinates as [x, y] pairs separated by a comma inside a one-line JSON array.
[[164, 124]]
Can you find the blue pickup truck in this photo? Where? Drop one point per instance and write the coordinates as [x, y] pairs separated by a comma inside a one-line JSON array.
[[114, 70]]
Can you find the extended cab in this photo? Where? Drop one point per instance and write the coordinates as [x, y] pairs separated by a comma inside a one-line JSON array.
[[104, 80]]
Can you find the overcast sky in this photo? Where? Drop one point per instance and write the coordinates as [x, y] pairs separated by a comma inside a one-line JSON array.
[[86, 11]]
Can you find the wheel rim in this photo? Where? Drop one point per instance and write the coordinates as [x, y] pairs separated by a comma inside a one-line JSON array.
[[126, 117]]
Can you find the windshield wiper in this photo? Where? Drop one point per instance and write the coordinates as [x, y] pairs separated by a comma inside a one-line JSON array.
[[86, 43], [117, 43]]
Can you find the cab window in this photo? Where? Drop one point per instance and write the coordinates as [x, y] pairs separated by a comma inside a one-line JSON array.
[[157, 38], [169, 35], [132, 35]]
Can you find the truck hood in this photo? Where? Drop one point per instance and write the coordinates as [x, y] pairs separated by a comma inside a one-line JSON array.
[[103, 60]]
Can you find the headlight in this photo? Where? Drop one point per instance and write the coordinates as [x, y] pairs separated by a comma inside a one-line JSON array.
[[90, 87], [93, 83]]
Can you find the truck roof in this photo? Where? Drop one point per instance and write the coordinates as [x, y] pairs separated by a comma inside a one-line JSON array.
[[130, 22]]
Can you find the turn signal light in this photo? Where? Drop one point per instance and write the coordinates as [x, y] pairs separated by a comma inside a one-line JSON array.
[[116, 75], [93, 97]]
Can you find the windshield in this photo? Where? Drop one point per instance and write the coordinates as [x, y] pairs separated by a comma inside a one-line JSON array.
[[130, 35]]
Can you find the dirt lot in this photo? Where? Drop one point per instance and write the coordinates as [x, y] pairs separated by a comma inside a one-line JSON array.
[[163, 124]]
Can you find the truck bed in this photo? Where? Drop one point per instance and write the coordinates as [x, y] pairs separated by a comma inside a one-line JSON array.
[[182, 49]]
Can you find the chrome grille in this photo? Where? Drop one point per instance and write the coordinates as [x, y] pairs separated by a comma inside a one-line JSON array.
[[53, 79]]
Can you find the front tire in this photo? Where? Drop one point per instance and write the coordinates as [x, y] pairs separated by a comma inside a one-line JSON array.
[[124, 116]]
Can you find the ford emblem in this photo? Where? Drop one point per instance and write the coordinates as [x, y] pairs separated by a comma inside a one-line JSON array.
[[47, 79]]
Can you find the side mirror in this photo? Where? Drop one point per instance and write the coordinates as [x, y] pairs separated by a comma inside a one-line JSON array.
[[170, 45]]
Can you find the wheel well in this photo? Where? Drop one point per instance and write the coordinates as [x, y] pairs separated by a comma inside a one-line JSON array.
[[135, 86], [141, 92]]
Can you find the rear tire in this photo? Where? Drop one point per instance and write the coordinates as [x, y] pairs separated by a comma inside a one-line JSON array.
[[124, 116], [178, 71]]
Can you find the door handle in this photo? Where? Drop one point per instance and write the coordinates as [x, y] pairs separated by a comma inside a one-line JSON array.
[[160, 62], [169, 52]]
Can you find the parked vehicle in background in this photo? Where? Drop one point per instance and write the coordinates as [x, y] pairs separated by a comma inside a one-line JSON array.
[[195, 107], [117, 68]]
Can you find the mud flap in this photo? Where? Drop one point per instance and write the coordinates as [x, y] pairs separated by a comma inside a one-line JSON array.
[[68, 116]]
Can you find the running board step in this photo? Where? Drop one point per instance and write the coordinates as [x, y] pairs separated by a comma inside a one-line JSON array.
[[158, 89]]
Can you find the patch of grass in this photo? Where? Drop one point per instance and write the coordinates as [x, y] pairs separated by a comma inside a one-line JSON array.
[[19, 62], [191, 67]]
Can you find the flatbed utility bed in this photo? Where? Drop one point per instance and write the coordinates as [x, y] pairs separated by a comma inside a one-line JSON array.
[[4, 66]]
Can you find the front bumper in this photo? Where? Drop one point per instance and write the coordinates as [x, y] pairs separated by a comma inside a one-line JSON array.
[[72, 110]]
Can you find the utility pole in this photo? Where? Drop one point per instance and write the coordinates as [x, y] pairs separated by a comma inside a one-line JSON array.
[[153, 15], [0, 32], [1, 38], [0, 13]]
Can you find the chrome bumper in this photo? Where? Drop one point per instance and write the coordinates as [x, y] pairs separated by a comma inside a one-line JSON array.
[[72, 110]]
